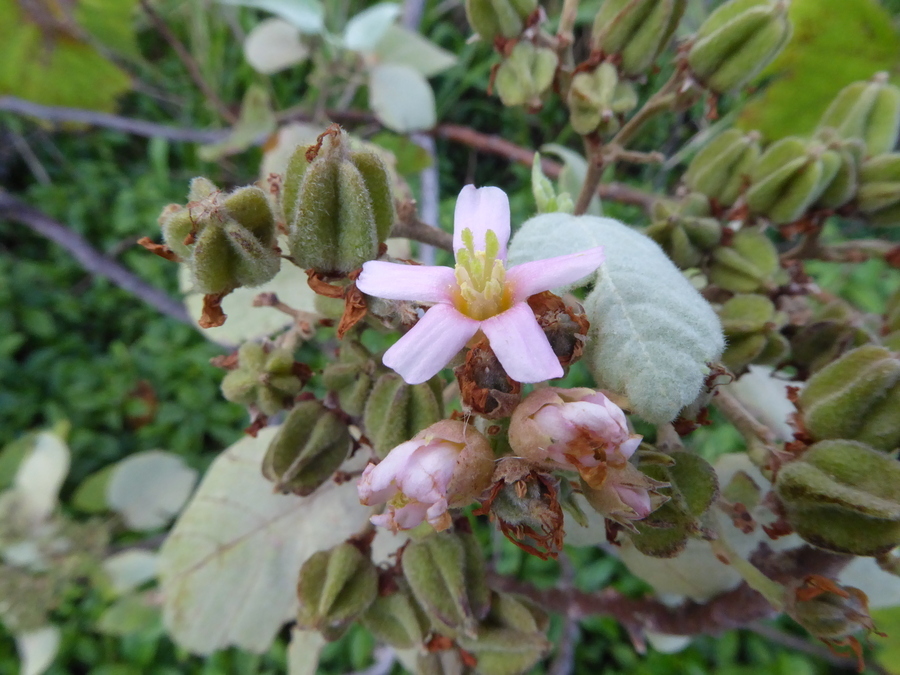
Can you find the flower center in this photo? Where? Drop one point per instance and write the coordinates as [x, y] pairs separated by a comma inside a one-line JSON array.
[[481, 278]]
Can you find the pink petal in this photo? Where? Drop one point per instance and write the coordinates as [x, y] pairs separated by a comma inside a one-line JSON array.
[[628, 447], [406, 282], [431, 343], [521, 346], [543, 275], [429, 471], [638, 500], [480, 210]]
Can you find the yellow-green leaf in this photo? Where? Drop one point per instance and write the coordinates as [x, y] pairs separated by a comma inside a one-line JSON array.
[[835, 43]]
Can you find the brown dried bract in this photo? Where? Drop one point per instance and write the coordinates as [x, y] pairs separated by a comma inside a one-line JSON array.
[[892, 257], [313, 151], [565, 326], [355, 309], [524, 501], [485, 388], [739, 515], [317, 282], [161, 250], [225, 361], [212, 315], [257, 422]]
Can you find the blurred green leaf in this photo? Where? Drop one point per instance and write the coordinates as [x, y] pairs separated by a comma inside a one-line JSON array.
[[835, 43], [49, 57]]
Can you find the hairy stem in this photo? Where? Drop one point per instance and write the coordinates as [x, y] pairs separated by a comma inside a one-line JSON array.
[[760, 439]]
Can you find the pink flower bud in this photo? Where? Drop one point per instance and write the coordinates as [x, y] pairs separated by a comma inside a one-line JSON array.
[[573, 428], [445, 466]]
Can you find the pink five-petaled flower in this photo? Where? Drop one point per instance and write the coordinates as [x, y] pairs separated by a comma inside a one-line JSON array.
[[479, 294], [447, 465]]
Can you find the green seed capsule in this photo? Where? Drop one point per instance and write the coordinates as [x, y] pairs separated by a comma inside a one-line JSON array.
[[869, 111], [335, 587], [526, 75], [738, 40], [338, 205], [841, 495]]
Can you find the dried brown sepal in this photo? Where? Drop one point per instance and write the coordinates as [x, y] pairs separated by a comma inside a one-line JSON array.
[[212, 315], [892, 257], [302, 371], [832, 612], [317, 282], [524, 501], [565, 325], [485, 388], [313, 151], [685, 426], [161, 250], [257, 423], [225, 361], [355, 309]]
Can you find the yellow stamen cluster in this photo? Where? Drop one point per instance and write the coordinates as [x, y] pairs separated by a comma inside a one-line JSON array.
[[481, 278]]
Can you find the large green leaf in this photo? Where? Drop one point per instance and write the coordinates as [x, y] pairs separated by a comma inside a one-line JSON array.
[[50, 57], [835, 43]]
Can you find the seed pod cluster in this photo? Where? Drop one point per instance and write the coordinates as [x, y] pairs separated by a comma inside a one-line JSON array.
[[869, 111], [493, 19], [266, 379], [842, 496], [879, 189], [338, 204], [749, 265], [335, 587], [752, 332], [396, 411], [857, 397], [737, 41], [526, 75], [598, 99], [685, 229], [227, 240], [310, 446], [636, 30], [721, 169], [693, 487]]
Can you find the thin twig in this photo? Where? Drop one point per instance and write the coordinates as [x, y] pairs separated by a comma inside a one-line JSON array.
[[495, 145], [736, 608], [93, 118], [486, 143], [189, 63], [419, 231], [90, 259]]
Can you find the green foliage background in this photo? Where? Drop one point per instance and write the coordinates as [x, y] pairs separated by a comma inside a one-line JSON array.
[[77, 348]]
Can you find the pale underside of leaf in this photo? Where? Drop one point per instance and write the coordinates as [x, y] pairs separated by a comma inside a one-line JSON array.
[[401, 98], [228, 570], [37, 649], [274, 45], [148, 488]]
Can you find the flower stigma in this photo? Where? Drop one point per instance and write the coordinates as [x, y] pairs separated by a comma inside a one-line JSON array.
[[481, 278]]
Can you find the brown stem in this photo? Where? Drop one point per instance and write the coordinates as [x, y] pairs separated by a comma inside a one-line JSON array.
[[89, 258], [419, 231], [189, 63], [732, 609], [593, 150]]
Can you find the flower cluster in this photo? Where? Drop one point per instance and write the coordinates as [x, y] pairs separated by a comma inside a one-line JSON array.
[[450, 463]]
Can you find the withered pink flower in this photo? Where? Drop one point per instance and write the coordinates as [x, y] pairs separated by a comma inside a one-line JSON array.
[[445, 466], [479, 294], [573, 428]]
